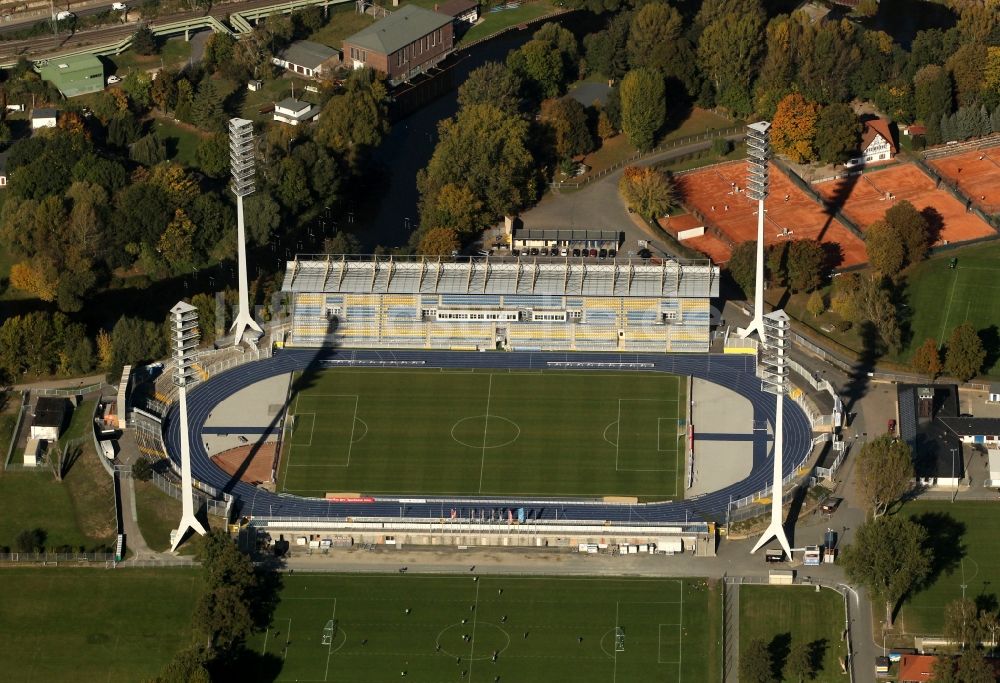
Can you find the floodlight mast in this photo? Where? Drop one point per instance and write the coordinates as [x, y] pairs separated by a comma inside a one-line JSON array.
[[758, 153], [241, 159], [184, 335], [774, 351]]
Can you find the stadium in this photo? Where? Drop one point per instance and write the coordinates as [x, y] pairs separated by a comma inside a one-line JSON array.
[[514, 435]]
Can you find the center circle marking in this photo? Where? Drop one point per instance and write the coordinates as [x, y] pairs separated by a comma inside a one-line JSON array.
[[464, 431]]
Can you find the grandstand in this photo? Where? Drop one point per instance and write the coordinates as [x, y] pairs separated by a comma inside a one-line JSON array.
[[500, 303]]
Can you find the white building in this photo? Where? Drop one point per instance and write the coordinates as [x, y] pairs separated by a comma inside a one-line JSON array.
[[462, 11], [43, 118], [876, 143], [33, 452], [294, 112], [48, 418], [994, 394]]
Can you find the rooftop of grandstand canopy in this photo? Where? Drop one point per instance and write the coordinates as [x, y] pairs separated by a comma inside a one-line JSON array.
[[567, 235], [338, 273]]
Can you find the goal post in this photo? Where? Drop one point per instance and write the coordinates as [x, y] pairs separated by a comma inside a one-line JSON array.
[[329, 631], [619, 639]]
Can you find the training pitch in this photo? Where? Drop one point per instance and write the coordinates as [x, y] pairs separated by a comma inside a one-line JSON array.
[[485, 432], [376, 628], [942, 298]]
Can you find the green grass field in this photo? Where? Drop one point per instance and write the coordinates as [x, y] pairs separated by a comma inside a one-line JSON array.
[[671, 629], [94, 624], [782, 616], [494, 22], [942, 298], [510, 433], [963, 535]]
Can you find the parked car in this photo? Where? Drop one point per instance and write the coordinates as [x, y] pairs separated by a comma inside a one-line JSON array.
[[112, 79], [593, 253], [64, 15], [612, 253], [564, 251], [534, 251], [119, 6], [576, 252], [892, 427], [603, 253], [515, 252]]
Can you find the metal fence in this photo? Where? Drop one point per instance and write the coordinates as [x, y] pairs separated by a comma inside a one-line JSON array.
[[71, 391], [55, 558], [17, 429], [971, 145], [639, 156]]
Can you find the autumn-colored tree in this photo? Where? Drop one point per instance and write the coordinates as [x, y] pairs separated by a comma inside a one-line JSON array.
[[566, 118], [177, 183], [816, 304], [35, 278], [175, 243], [439, 242], [605, 129], [650, 192], [927, 358], [793, 128], [886, 252], [105, 351], [70, 121], [965, 353], [457, 208]]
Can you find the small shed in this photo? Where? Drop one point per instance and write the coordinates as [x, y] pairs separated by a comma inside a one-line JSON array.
[[34, 452], [994, 394], [466, 11], [44, 118], [48, 418]]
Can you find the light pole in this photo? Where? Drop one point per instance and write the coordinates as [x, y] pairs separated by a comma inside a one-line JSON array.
[[775, 348], [184, 335], [241, 159], [758, 153]]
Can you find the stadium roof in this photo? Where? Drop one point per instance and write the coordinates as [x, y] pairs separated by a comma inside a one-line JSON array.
[[500, 275]]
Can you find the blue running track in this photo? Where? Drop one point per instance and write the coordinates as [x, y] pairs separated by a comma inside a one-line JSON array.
[[735, 372]]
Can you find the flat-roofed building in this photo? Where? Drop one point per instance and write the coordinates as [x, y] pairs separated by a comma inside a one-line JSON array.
[[76, 75]]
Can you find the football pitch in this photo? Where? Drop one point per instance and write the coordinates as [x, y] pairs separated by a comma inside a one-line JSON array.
[[377, 628], [942, 298], [485, 432]]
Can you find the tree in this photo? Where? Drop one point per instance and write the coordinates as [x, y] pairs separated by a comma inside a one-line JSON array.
[[342, 243], [142, 470], [961, 623], [932, 98], [485, 151], [104, 350], [263, 215], [729, 52], [927, 359], [862, 299], [838, 133], [967, 66], [567, 120], [164, 90], [805, 265], [607, 50], [889, 557], [793, 128], [943, 670], [816, 304], [138, 85], [755, 663], [644, 108], [187, 666], [965, 353], [656, 41], [356, 120], [124, 129], [912, 229], [973, 667], [38, 278], [134, 341], [439, 242], [799, 663], [648, 191], [185, 101], [175, 244], [293, 187], [148, 150], [206, 108], [30, 541], [222, 618], [457, 208], [143, 41], [212, 156], [605, 129], [886, 253], [492, 83], [885, 473], [540, 67], [742, 267]]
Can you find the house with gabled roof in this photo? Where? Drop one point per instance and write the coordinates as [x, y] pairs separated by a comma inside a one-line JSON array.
[[404, 44]]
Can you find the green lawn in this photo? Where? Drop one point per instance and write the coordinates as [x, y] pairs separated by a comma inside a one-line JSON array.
[[534, 625], [173, 54], [494, 22], [181, 139], [344, 21], [429, 431], [94, 624], [963, 535], [783, 616], [80, 422], [942, 298], [159, 514]]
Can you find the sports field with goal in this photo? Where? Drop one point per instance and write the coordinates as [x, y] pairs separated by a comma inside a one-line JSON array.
[[485, 432], [377, 628]]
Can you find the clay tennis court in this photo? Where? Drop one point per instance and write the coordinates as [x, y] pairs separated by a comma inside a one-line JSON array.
[[977, 174], [866, 200], [791, 213], [708, 244], [257, 470]]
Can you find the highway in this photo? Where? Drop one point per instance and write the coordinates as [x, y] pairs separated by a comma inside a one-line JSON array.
[[733, 371]]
